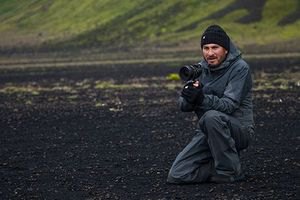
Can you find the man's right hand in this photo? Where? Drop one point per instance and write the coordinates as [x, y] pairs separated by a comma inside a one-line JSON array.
[[192, 93]]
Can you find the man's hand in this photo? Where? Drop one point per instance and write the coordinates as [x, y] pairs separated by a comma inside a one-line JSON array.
[[192, 93]]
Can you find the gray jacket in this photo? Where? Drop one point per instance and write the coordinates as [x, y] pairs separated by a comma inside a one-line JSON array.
[[226, 88]]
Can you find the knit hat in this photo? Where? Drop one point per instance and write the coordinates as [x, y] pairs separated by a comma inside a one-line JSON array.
[[214, 34]]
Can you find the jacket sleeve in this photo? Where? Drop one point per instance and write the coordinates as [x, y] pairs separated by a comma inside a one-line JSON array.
[[239, 84], [184, 105]]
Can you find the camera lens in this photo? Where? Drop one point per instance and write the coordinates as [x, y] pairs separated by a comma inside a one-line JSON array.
[[189, 72], [185, 73]]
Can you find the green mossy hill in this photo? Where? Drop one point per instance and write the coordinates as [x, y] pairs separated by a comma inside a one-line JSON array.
[[115, 23]]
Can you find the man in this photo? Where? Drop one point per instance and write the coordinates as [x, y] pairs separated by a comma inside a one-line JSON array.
[[222, 99]]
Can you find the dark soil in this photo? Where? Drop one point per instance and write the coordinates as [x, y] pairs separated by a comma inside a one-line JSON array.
[[112, 132]]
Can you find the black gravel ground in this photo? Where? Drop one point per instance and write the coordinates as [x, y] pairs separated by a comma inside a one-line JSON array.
[[112, 132]]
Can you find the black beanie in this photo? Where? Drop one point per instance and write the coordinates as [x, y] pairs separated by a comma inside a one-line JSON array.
[[214, 34]]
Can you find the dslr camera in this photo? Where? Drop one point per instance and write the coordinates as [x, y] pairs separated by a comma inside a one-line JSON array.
[[190, 72]]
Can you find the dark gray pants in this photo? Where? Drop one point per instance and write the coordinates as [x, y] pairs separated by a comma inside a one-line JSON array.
[[214, 149]]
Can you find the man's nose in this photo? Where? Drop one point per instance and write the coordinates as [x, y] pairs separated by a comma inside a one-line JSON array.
[[210, 52]]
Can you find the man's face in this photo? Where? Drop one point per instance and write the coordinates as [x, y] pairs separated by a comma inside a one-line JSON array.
[[214, 54]]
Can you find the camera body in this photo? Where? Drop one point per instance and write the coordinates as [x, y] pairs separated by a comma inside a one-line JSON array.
[[190, 72]]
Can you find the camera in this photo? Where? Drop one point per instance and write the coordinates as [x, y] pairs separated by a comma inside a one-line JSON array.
[[190, 72]]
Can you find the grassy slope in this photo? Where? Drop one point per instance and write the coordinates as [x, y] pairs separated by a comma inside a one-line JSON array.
[[114, 22]]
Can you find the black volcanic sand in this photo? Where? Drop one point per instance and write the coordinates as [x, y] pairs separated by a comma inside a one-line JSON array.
[[112, 132]]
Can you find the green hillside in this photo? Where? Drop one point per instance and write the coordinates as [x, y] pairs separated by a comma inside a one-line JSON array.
[[127, 23]]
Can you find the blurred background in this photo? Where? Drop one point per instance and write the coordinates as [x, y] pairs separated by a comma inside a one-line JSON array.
[[89, 89], [113, 29]]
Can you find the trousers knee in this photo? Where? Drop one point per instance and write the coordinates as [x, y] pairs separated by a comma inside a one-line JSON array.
[[210, 118], [172, 178]]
